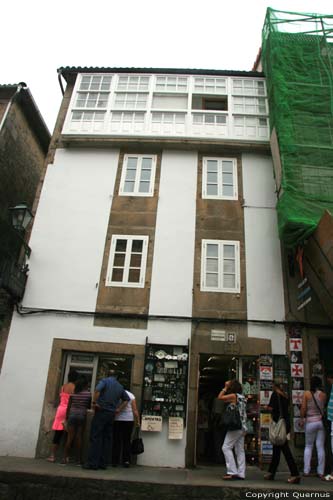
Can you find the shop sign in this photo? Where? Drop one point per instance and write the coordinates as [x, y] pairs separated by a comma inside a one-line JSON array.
[[297, 397], [296, 344], [151, 423], [297, 370], [266, 372], [176, 428], [266, 448]]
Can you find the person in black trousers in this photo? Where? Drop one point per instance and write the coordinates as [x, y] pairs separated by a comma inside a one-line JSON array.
[[279, 400], [127, 416]]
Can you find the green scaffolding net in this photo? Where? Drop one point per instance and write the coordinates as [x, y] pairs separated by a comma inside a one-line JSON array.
[[297, 57]]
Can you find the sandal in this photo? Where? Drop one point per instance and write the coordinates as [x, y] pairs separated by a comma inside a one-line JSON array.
[[294, 480], [229, 477], [269, 476], [328, 477], [64, 461], [51, 459]]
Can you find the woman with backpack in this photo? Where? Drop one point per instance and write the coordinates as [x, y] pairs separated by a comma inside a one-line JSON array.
[[312, 412], [234, 439]]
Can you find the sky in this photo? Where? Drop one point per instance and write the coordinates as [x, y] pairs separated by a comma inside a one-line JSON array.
[[37, 37]]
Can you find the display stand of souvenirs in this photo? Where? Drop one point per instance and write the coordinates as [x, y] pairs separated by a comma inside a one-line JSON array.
[[165, 383]]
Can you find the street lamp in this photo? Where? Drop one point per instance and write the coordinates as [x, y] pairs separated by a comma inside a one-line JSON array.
[[21, 218]]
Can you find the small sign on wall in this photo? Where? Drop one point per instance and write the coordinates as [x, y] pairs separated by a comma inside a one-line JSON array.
[[176, 428], [151, 423]]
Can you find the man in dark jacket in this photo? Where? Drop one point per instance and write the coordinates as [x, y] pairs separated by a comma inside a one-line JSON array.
[[107, 396]]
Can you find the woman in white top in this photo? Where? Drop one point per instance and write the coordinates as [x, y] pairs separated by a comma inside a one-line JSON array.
[[126, 415], [312, 411], [234, 440]]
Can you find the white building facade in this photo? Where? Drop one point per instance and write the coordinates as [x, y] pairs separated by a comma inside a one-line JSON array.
[[155, 229]]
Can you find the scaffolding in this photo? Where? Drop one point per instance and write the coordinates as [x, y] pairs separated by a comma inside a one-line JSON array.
[[297, 57]]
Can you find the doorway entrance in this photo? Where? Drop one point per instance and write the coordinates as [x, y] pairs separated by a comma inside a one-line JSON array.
[[215, 370]]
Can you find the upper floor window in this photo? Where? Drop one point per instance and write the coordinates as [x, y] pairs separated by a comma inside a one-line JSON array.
[[248, 87], [210, 85], [138, 175], [125, 100], [95, 82], [133, 82], [219, 178], [127, 261], [252, 105], [220, 266], [171, 83], [91, 99]]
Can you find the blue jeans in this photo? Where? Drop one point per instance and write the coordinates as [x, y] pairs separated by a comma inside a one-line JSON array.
[[100, 438]]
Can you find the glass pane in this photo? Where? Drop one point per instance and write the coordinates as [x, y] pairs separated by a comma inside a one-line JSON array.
[[227, 166], [145, 175], [229, 266], [85, 82], [137, 246], [130, 175], [229, 281], [121, 245], [117, 275], [129, 187], [212, 189], [228, 179], [221, 119], [134, 275], [119, 260], [77, 115], [212, 265], [136, 260], [144, 187], [212, 177], [131, 162], [212, 280], [212, 250], [227, 190], [229, 251], [211, 166], [209, 118], [146, 163]]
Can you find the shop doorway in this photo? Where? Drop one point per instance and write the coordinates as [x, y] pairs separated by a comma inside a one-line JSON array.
[[214, 371]]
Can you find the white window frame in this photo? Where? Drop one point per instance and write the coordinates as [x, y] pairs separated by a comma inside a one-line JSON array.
[[128, 253], [136, 191], [220, 287], [219, 195]]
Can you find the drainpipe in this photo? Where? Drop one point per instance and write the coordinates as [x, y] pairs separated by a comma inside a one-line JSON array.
[[60, 82]]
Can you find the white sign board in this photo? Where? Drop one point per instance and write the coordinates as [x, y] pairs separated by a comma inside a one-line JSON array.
[[176, 428], [151, 423]]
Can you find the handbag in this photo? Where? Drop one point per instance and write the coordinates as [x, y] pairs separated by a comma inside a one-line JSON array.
[[231, 418], [137, 446], [278, 430]]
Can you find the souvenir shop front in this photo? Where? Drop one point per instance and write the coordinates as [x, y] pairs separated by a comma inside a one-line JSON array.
[[256, 375]]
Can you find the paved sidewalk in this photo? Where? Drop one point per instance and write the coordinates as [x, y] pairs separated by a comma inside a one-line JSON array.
[[188, 482]]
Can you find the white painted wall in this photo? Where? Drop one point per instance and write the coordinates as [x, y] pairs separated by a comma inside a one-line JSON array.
[[264, 282], [69, 230], [275, 333], [25, 369], [172, 274]]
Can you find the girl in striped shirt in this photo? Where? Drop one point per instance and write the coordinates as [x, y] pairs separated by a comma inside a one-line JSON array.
[[78, 405]]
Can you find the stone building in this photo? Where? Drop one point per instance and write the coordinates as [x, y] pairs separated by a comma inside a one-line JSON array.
[[24, 141], [154, 251]]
